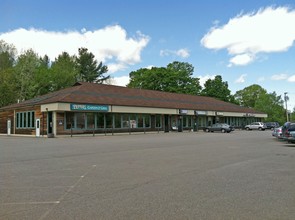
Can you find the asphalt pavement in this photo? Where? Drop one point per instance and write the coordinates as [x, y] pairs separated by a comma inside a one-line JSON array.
[[189, 175]]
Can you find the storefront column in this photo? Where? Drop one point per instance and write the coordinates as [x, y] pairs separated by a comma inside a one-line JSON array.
[[54, 119], [14, 121], [179, 123]]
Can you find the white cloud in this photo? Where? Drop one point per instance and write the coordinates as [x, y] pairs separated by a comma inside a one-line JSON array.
[[244, 36], [203, 79], [114, 67], [281, 76], [241, 79], [149, 67], [241, 60], [291, 78], [120, 81], [183, 53], [109, 44]]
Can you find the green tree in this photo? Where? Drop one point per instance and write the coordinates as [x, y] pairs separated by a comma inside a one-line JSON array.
[[7, 87], [41, 78], [152, 79], [63, 72], [248, 96], [218, 89], [7, 55], [7, 76], [31, 72], [89, 70], [176, 78], [181, 80], [271, 104]]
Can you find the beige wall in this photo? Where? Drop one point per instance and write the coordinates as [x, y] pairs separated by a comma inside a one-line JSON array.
[[127, 109], [56, 107], [147, 110]]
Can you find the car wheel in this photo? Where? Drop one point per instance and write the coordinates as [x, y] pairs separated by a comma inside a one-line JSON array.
[[259, 129], [222, 130], [207, 130], [247, 129]]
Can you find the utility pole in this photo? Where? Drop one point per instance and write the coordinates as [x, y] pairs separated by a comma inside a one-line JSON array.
[[286, 99]]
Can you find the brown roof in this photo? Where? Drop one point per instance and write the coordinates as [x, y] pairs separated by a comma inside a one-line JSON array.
[[91, 93]]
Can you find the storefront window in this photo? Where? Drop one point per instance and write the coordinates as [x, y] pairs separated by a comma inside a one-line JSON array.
[[33, 119], [29, 119], [158, 121], [21, 120], [184, 121], [125, 120], [25, 119], [147, 121], [132, 121], [109, 120], [17, 120], [174, 124], [140, 121], [201, 121], [117, 118], [90, 120], [100, 120], [80, 120], [70, 120], [189, 121]]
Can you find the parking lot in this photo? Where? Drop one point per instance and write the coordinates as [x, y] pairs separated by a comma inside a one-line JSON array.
[[193, 175]]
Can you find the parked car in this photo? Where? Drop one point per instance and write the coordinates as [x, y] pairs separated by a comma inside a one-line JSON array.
[[289, 134], [277, 132], [285, 128], [272, 125], [219, 127], [232, 127], [256, 126]]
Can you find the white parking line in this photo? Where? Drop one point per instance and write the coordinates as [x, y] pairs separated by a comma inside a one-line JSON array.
[[30, 203], [67, 192]]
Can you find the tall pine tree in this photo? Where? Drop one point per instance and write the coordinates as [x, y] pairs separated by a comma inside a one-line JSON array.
[[89, 70]]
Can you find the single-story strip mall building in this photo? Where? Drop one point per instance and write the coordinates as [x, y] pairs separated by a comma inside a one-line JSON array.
[[100, 108]]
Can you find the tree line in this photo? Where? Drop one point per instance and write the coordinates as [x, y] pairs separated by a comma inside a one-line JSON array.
[[178, 77], [28, 75]]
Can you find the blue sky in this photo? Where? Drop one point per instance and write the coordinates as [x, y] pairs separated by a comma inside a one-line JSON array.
[[246, 42]]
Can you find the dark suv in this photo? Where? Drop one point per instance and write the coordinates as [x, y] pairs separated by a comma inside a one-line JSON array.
[[272, 125], [289, 132]]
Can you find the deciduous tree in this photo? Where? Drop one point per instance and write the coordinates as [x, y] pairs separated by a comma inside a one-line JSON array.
[[31, 72], [218, 89], [7, 55], [271, 104], [7, 76], [248, 96], [176, 78], [63, 72]]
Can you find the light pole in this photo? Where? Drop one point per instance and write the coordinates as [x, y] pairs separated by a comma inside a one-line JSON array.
[[286, 99]]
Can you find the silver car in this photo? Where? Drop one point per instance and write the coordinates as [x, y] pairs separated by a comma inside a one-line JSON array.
[[277, 132], [256, 126], [219, 127]]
